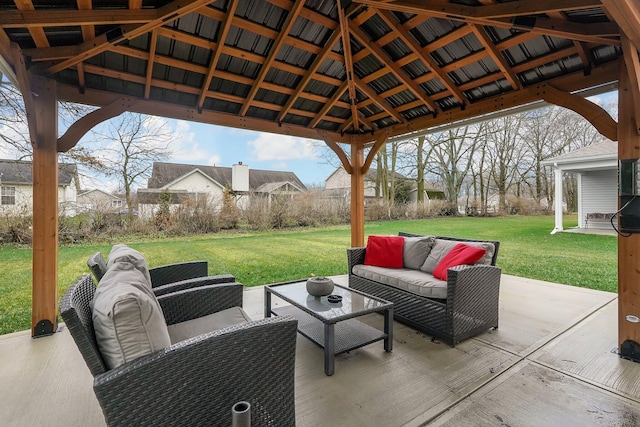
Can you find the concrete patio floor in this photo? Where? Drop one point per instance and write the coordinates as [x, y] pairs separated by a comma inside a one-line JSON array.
[[551, 363]]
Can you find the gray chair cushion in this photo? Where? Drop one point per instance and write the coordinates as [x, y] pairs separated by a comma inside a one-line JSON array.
[[414, 281], [416, 250], [122, 252], [127, 318], [442, 247], [222, 319]]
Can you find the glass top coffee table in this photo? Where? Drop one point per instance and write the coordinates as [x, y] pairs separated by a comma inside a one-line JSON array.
[[332, 326]]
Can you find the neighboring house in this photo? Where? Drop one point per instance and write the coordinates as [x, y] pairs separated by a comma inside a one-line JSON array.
[[195, 182], [16, 188], [596, 169], [99, 201], [338, 185]]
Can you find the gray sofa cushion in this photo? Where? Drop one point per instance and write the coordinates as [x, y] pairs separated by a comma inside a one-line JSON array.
[[127, 318], [416, 250], [441, 247], [414, 281], [222, 319], [123, 253]]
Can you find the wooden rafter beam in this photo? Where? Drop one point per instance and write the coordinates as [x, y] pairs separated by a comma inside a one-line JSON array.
[[308, 14], [88, 31], [411, 42], [496, 56], [348, 65], [382, 103], [284, 32], [185, 65], [308, 75], [603, 33], [627, 15], [153, 42], [154, 107], [329, 105], [384, 59], [163, 84], [491, 9], [266, 32], [36, 32], [30, 18], [603, 74], [165, 14], [224, 31], [533, 7]]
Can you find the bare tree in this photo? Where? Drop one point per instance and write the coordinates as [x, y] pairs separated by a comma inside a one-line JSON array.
[[480, 170], [132, 143], [13, 123], [14, 130], [450, 156], [506, 154]]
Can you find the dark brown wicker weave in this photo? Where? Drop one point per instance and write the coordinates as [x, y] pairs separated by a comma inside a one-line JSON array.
[[197, 381], [471, 306], [170, 277]]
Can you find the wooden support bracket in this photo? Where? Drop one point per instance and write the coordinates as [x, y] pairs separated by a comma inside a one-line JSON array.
[[380, 142], [82, 126], [346, 164], [595, 114]]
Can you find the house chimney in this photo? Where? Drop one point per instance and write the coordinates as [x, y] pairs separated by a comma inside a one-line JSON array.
[[240, 177]]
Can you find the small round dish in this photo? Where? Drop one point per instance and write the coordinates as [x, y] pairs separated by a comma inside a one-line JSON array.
[[334, 298]]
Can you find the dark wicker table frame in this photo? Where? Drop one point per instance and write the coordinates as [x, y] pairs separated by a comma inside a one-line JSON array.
[[333, 327]]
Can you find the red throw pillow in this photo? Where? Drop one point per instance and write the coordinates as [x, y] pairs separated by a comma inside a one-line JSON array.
[[460, 254], [384, 251]]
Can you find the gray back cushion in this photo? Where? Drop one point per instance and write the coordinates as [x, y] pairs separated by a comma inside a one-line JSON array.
[[416, 250], [442, 247], [127, 318], [123, 253]]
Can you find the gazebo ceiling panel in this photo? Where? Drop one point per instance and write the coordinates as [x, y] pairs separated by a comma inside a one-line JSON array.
[[282, 67]]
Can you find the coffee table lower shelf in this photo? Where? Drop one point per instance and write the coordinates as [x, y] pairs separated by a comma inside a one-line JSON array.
[[349, 334]]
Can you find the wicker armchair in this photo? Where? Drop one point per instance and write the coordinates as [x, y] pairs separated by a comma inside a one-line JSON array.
[[197, 381], [170, 277]]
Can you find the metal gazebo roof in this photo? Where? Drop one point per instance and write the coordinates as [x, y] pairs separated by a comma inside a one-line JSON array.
[[282, 66]]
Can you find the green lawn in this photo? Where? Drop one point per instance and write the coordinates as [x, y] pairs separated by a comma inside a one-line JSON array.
[[526, 249]]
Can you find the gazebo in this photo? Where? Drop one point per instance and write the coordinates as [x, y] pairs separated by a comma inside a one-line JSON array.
[[350, 73]]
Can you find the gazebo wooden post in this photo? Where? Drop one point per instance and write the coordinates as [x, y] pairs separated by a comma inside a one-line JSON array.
[[629, 246], [45, 209], [357, 194]]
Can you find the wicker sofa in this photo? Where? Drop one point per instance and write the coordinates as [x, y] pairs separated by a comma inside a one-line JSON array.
[[466, 305]]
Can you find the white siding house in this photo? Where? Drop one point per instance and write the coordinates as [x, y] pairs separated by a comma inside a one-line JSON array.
[[100, 201], [194, 183], [596, 169], [338, 184], [16, 188]]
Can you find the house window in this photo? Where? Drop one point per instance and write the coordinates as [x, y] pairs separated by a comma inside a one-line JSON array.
[[8, 196], [116, 203]]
